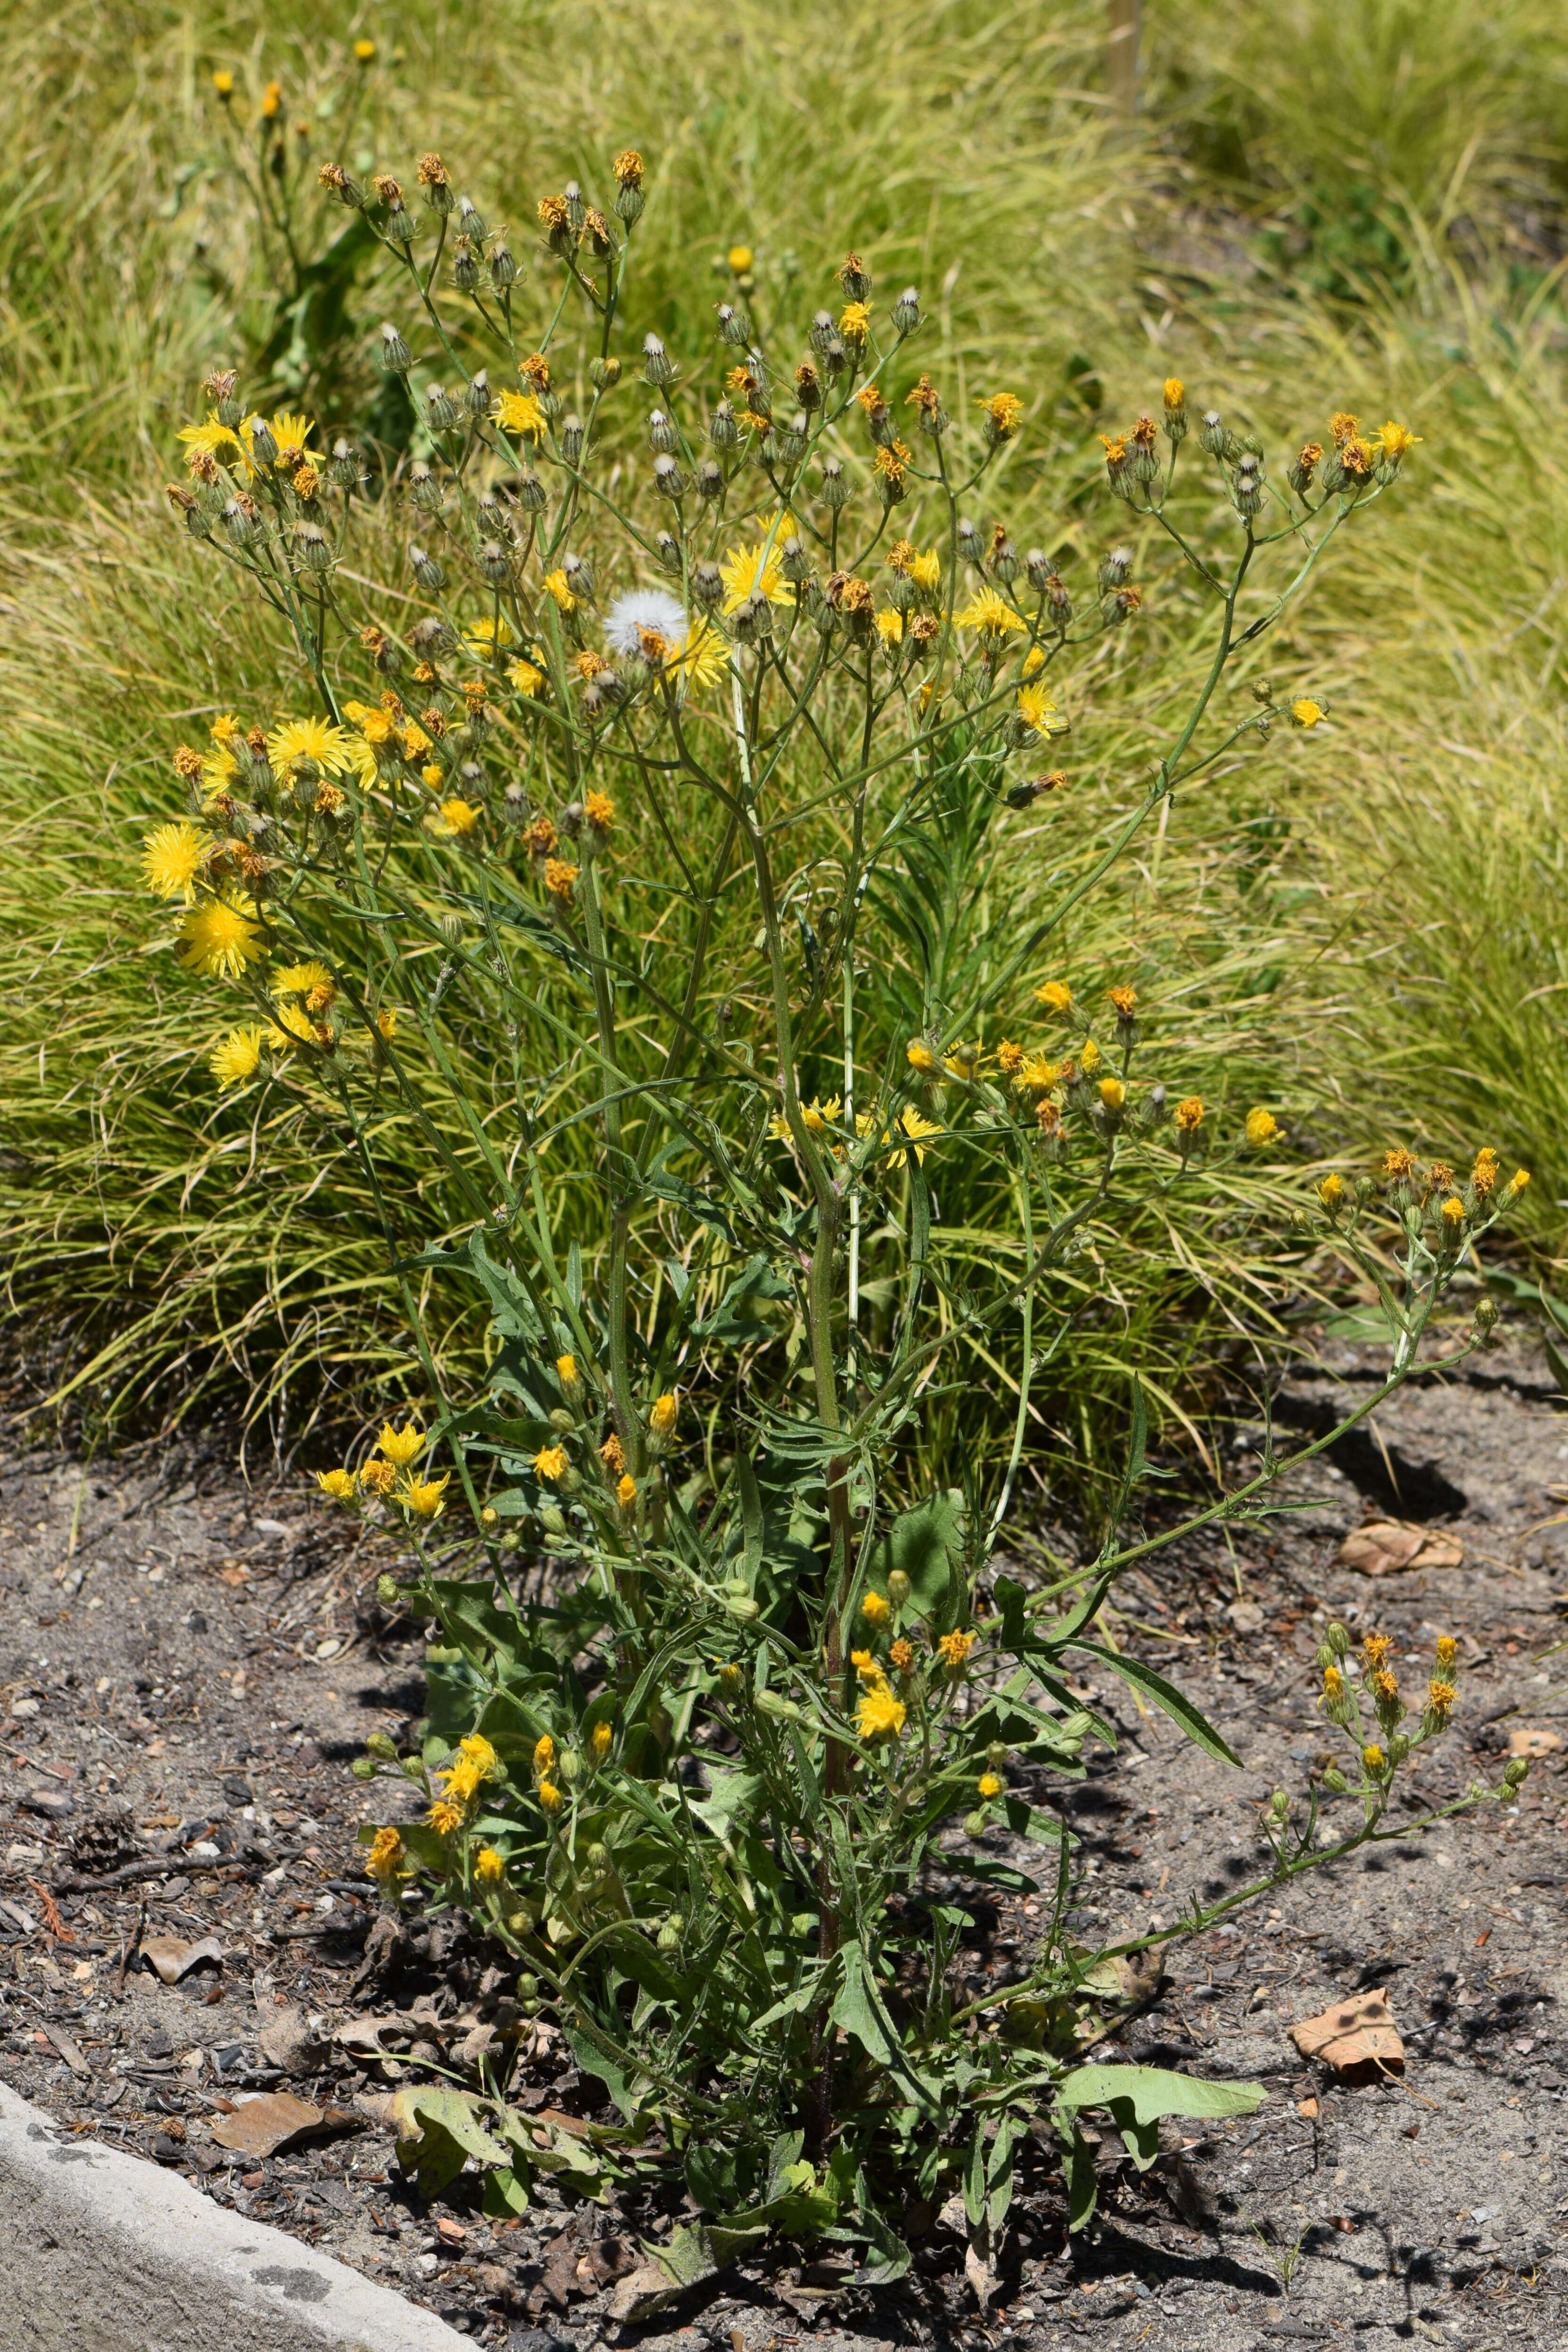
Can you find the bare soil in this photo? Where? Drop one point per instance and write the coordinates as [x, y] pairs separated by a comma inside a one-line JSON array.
[[210, 1655]]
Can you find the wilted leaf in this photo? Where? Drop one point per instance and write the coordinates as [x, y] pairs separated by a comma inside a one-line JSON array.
[[272, 2120], [171, 1958], [1355, 2037], [1383, 1546], [1525, 1739]]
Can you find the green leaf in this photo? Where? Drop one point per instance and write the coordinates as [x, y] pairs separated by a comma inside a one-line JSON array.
[[1180, 1708], [1137, 2096], [927, 1544], [750, 1516], [1082, 2184], [975, 2178], [607, 2070], [1000, 2171], [438, 2131], [741, 1316], [505, 2191]]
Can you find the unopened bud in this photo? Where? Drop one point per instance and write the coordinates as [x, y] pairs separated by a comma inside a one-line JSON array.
[[395, 354], [426, 569], [658, 368], [907, 311], [707, 583], [667, 548], [503, 269], [968, 541]]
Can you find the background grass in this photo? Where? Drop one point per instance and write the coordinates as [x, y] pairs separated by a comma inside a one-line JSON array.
[[1323, 206]]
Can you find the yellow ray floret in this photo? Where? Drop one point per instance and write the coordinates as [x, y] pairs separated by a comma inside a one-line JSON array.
[[219, 939]]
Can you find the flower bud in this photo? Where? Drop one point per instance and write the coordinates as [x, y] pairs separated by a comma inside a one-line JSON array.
[[629, 201], [383, 1744], [603, 374], [1004, 562], [1212, 433], [835, 489], [997, 1755], [968, 541], [658, 368], [822, 332], [1514, 1774], [707, 583], [976, 1823], [1335, 1779], [313, 547], [464, 267], [388, 1591], [494, 562], [552, 1518], [263, 446], [835, 359], [668, 479], [667, 548], [733, 326], [503, 267], [1036, 569], [394, 354], [530, 492], [426, 569], [579, 574], [344, 469], [721, 428], [1114, 568], [400, 225], [753, 620], [241, 522], [571, 436], [855, 279], [710, 479], [1336, 1638], [440, 412], [907, 310], [363, 1767]]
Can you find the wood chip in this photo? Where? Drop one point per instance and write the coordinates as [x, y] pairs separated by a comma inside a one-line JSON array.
[[1383, 1546], [170, 1957], [272, 2120], [68, 2049], [1357, 2038]]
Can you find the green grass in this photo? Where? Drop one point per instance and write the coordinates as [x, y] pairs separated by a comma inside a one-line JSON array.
[[1328, 207]]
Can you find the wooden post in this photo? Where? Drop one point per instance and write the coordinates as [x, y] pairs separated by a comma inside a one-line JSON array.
[[1126, 24]]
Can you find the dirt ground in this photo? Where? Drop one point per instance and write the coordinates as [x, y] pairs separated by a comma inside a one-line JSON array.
[[210, 1656]]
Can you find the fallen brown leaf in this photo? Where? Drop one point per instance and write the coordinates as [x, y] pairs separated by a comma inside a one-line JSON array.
[[1524, 1739], [270, 2121], [1357, 2038], [68, 2049], [1383, 1546], [170, 1957]]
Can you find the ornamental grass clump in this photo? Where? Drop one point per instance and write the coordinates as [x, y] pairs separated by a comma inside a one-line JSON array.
[[663, 727]]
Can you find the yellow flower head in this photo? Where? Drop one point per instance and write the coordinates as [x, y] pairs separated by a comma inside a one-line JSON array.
[[890, 626], [549, 1796], [1009, 1057], [881, 1715], [1483, 1175], [876, 1609], [330, 748], [544, 1755], [223, 85], [519, 411], [818, 1115], [1089, 1057], [705, 657], [600, 1740], [758, 571], [237, 1058], [1113, 1093], [1453, 1212], [1189, 1114], [488, 634], [404, 1445], [424, 1497], [989, 613], [662, 1419], [1175, 393], [339, 1483], [989, 1784], [918, 1129], [461, 1783], [740, 259], [560, 878], [954, 1649], [1375, 1761], [1441, 1696], [445, 1817], [1331, 1191], [525, 677], [854, 324], [1056, 996], [385, 1855], [476, 1750], [219, 939], [1305, 712], [551, 1462], [626, 1490], [925, 570], [1262, 1127], [171, 857], [363, 52], [212, 439], [1004, 414], [918, 1055], [557, 586], [1036, 707], [489, 1869], [1519, 1179], [1394, 439], [454, 819], [903, 1656], [599, 811], [1334, 1684], [566, 1372]]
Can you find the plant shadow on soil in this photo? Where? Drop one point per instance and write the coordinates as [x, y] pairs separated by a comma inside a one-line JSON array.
[[206, 1656]]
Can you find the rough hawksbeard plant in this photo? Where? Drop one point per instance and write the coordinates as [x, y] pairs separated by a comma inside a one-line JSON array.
[[635, 839]]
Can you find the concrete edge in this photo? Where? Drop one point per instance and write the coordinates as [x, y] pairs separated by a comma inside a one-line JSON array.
[[102, 2247]]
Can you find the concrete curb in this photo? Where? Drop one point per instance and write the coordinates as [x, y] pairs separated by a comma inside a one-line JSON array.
[[99, 2248]]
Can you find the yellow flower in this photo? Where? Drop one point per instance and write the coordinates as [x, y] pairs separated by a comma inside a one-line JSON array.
[[1004, 414], [549, 1796], [364, 51], [925, 570], [223, 85], [544, 1755], [560, 877], [1453, 1212], [171, 858], [1375, 1761], [916, 1129], [919, 1055], [404, 1445], [424, 1496], [526, 679], [310, 738], [292, 1027], [626, 1490], [1440, 1697], [1036, 707], [890, 626], [339, 1483], [954, 1649], [1009, 1057], [1175, 395], [600, 1740], [662, 1419], [488, 1867], [1305, 712], [1056, 996], [599, 811], [519, 411], [740, 259], [310, 980], [881, 1715], [757, 571], [1333, 1685], [454, 819], [867, 1668], [1089, 1058], [1189, 1114], [1262, 1127], [445, 1817], [237, 1058], [817, 1115], [385, 1854], [461, 1783], [213, 439], [484, 636], [989, 1784], [555, 585], [1519, 1179], [991, 614], [565, 1373], [1033, 660], [1331, 1191], [1113, 1093], [551, 1462], [705, 657], [289, 429], [876, 1609], [1394, 439], [476, 1750], [854, 323], [219, 939], [1037, 1075]]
